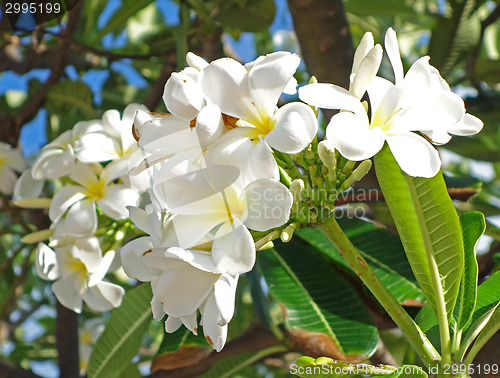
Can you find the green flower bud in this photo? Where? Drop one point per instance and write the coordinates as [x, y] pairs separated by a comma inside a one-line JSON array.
[[360, 172]]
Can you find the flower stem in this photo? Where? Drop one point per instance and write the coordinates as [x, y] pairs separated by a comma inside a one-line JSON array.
[[412, 331]]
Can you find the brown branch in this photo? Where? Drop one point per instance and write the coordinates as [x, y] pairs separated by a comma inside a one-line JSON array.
[[462, 194], [10, 128], [10, 370], [67, 342], [104, 53], [255, 339], [325, 40]]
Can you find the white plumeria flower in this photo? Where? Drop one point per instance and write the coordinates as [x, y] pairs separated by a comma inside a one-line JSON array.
[[204, 287], [113, 140], [221, 200], [79, 269], [420, 101], [11, 161], [78, 202], [250, 94], [57, 158]]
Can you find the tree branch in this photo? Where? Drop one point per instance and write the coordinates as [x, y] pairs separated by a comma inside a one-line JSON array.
[[10, 128], [325, 40], [67, 342]]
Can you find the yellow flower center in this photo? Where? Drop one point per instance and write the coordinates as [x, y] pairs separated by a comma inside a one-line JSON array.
[[96, 191]]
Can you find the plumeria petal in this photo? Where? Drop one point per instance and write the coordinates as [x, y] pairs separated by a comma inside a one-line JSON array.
[[233, 249], [392, 48], [353, 138], [365, 45], [53, 163], [158, 314], [64, 199], [269, 205], [256, 160], [84, 175], [414, 154], [172, 324], [216, 335], [268, 78], [46, 263], [295, 127], [209, 125], [468, 125], [7, 181], [196, 61], [27, 187], [331, 96], [118, 197], [81, 218], [96, 147], [66, 292], [225, 83], [368, 68], [196, 286], [131, 254], [224, 294], [103, 296], [183, 96]]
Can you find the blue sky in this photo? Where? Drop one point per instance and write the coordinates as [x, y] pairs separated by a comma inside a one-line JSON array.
[[33, 135]]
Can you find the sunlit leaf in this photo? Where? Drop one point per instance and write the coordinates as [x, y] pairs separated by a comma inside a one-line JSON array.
[[429, 228], [122, 337]]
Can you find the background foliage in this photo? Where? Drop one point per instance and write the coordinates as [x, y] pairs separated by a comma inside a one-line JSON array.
[[107, 54]]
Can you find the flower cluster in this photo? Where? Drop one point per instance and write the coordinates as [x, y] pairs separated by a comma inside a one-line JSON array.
[[214, 181], [420, 101], [91, 163], [222, 174]]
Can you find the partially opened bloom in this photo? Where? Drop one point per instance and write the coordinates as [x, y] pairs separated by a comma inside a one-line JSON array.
[[77, 203], [420, 101], [11, 161], [78, 268]]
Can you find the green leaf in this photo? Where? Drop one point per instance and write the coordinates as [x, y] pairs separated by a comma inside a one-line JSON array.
[[128, 9], [475, 330], [488, 296], [122, 337], [229, 366], [454, 36], [370, 8], [382, 250], [489, 330], [68, 96], [428, 323], [429, 228], [473, 226], [247, 16], [321, 308]]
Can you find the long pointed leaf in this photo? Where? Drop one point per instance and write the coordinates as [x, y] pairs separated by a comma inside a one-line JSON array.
[[473, 226], [320, 306], [382, 250], [122, 337], [429, 228]]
